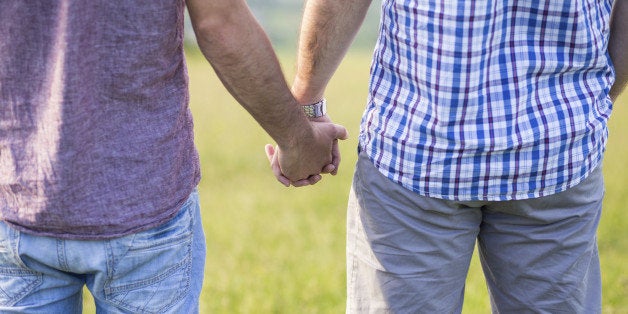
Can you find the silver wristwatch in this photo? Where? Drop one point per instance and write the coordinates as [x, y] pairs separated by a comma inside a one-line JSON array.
[[315, 110]]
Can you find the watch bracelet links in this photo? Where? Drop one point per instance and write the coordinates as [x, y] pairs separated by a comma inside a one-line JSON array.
[[315, 110]]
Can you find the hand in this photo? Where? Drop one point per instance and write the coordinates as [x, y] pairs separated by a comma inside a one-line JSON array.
[[304, 163], [272, 152], [335, 150]]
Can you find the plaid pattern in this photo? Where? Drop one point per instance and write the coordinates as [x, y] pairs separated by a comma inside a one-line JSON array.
[[489, 100]]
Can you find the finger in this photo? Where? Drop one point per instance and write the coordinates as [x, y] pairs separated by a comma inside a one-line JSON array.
[[283, 180], [301, 183], [280, 177], [341, 132], [270, 152], [329, 168], [335, 157], [274, 165], [311, 180], [314, 179]]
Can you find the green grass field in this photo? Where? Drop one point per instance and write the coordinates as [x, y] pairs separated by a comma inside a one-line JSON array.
[[272, 249]]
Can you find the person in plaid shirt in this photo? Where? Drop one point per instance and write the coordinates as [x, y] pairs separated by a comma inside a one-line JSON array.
[[485, 121]]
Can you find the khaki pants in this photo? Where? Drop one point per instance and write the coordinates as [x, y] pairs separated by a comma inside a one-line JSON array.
[[408, 253]]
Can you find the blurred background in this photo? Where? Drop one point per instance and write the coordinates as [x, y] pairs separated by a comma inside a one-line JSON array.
[[281, 19], [272, 249]]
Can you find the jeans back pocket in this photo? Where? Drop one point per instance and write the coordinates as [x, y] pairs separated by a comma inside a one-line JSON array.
[[16, 280], [150, 270]]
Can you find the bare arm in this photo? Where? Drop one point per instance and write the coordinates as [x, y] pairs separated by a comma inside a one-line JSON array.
[[327, 31], [243, 58], [240, 53], [618, 46]]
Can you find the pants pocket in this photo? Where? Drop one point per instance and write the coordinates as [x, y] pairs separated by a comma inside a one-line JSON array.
[[149, 272], [16, 280]]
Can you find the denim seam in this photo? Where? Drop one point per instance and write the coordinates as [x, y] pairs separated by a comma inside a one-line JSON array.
[[357, 229], [188, 271], [61, 256], [138, 284], [170, 242], [37, 277], [185, 264]]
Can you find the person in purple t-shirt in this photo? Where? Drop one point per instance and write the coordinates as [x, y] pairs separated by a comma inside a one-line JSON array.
[[98, 169]]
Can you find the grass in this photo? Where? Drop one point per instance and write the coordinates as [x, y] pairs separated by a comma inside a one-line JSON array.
[[273, 249]]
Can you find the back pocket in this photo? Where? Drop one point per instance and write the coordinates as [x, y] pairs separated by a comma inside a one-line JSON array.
[[150, 271], [16, 280]]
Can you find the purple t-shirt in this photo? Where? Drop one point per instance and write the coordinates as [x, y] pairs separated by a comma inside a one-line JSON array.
[[96, 137]]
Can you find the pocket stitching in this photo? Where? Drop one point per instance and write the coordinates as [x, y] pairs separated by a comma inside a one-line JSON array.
[[185, 266], [111, 291], [32, 278]]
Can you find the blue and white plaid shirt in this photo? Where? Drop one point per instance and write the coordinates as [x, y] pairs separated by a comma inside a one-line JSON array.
[[489, 100]]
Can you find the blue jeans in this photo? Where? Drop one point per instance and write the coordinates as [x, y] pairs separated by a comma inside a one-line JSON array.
[[159, 270], [407, 253]]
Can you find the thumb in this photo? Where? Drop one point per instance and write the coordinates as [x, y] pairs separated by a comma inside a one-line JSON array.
[[270, 152], [340, 132]]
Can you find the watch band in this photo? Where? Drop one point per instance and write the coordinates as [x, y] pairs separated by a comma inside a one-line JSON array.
[[315, 110]]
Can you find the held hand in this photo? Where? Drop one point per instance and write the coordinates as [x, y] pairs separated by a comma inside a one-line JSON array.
[[272, 152], [335, 150], [304, 163]]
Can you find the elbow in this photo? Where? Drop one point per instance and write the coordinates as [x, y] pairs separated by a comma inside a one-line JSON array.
[[220, 22], [219, 39], [210, 29]]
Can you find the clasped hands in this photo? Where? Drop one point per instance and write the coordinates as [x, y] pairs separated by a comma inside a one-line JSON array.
[[311, 155]]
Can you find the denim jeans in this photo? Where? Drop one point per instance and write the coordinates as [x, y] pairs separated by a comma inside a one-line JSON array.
[[159, 270], [408, 253]]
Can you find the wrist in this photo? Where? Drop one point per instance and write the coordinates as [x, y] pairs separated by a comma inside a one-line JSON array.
[[300, 132], [307, 92]]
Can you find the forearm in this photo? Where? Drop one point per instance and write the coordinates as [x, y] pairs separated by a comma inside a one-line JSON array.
[[618, 46], [243, 58], [327, 31]]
